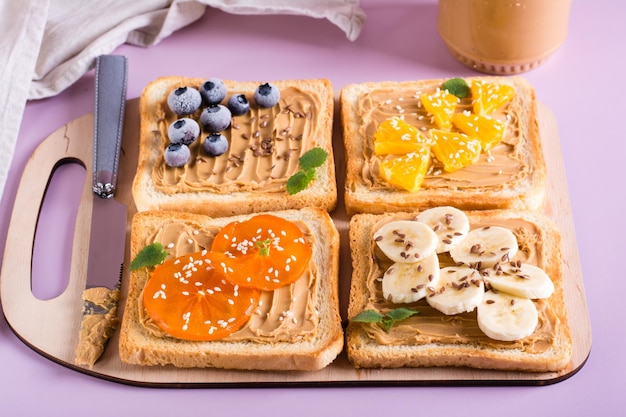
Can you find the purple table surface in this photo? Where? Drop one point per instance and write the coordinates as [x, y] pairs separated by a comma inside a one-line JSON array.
[[582, 83]]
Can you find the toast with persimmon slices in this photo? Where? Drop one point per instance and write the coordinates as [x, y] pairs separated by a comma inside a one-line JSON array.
[[295, 326]]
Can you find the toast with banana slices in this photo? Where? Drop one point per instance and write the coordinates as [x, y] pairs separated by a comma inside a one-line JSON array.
[[444, 287]]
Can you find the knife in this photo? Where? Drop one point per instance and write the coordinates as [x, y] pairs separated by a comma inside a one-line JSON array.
[[108, 217]]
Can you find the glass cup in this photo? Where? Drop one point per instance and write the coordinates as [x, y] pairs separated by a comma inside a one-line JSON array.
[[503, 36]]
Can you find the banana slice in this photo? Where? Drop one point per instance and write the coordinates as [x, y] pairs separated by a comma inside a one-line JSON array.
[[486, 246], [459, 290], [521, 280], [407, 283], [406, 241], [506, 317], [450, 225]]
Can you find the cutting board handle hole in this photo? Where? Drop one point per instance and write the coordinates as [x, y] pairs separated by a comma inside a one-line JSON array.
[[52, 258]]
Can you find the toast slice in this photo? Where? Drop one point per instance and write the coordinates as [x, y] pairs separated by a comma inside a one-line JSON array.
[[512, 175], [264, 150], [432, 339], [297, 327]]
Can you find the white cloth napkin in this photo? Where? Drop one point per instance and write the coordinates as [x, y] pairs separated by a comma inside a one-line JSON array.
[[46, 45]]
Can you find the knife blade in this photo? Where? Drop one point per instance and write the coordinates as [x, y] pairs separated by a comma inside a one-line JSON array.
[[108, 217]]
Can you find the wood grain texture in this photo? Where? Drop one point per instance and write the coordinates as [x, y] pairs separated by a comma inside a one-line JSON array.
[[51, 326]]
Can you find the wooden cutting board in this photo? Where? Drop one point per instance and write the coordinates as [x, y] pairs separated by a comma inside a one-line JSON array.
[[51, 327]]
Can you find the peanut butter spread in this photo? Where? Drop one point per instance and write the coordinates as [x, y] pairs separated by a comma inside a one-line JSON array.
[[98, 324], [264, 147], [286, 314], [432, 326], [503, 166]]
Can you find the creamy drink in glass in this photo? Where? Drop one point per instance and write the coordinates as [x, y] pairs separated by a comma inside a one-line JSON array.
[[503, 36]]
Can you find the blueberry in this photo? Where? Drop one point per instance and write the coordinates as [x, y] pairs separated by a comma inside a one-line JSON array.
[[213, 91], [183, 131], [266, 95], [238, 104], [177, 155], [184, 100], [215, 144], [215, 118]]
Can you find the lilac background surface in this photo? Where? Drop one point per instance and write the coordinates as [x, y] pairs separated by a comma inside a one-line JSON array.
[[582, 84]]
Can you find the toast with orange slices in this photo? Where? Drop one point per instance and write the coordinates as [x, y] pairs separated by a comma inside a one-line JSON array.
[[253, 292], [473, 143]]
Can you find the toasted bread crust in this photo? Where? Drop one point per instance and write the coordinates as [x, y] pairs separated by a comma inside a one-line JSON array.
[[364, 352], [137, 346], [526, 193], [321, 193]]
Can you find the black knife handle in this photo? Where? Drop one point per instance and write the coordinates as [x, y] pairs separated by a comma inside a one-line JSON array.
[[111, 75]]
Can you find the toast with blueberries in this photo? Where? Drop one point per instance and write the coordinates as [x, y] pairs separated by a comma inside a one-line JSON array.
[[222, 147]]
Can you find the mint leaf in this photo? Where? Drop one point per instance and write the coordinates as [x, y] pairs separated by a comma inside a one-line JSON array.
[[368, 316], [151, 255], [313, 158], [399, 314], [387, 320], [299, 181], [387, 323], [457, 86]]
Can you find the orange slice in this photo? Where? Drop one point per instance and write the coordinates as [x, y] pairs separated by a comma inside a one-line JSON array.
[[407, 171], [396, 148], [440, 105], [190, 298], [395, 136], [454, 150], [265, 252], [487, 97], [487, 130]]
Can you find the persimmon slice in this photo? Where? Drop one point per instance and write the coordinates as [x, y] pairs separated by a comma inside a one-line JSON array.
[[190, 298], [265, 252]]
